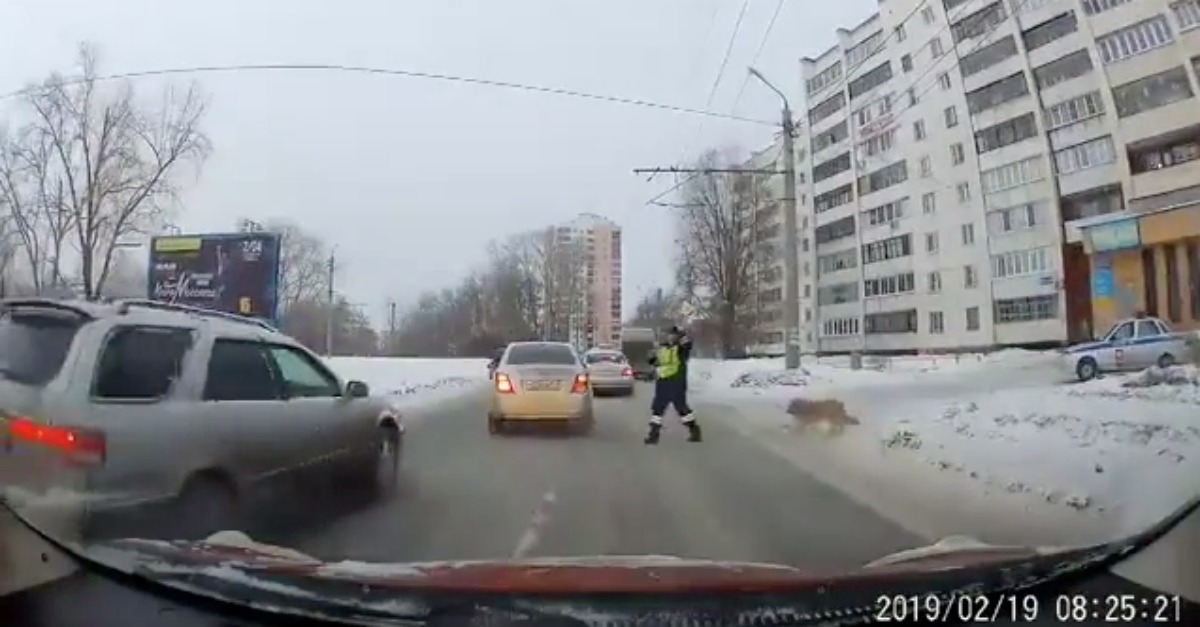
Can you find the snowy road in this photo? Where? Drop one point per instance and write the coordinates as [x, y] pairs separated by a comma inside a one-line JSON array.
[[469, 495]]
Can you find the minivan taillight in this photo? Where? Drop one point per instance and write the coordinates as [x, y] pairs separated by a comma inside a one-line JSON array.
[[79, 445], [581, 384], [504, 384], [627, 373]]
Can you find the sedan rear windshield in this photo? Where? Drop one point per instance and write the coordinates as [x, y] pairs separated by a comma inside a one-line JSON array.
[[34, 345], [547, 354], [605, 358]]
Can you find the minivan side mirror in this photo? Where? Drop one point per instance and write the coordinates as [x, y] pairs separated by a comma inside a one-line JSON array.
[[357, 389]]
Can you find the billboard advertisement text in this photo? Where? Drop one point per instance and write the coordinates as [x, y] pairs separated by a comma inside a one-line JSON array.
[[235, 273]]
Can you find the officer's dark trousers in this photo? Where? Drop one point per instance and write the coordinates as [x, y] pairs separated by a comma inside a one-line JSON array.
[[668, 392]]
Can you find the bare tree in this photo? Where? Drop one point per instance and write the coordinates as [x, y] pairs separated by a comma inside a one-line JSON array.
[[303, 270], [105, 166], [717, 250], [37, 221]]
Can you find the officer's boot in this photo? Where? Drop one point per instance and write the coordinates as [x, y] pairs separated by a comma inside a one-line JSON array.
[[653, 434], [694, 433]]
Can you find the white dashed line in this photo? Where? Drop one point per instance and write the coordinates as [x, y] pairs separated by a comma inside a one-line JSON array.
[[533, 533]]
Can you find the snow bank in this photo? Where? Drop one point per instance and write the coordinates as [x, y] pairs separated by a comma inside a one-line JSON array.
[[1102, 458], [414, 380]]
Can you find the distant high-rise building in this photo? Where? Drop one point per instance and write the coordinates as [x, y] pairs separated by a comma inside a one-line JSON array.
[[582, 282]]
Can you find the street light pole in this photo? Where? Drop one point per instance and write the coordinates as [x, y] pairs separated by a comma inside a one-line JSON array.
[[791, 244], [330, 268]]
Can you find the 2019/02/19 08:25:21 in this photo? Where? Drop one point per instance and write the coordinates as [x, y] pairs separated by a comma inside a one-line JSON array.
[[1024, 608]]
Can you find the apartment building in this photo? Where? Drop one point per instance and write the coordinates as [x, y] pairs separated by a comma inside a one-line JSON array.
[[585, 263], [961, 150], [765, 308]]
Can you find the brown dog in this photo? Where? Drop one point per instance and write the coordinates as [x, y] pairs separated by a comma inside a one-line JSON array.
[[828, 416]]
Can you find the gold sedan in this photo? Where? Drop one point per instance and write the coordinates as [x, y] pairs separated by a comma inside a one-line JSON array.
[[541, 382]]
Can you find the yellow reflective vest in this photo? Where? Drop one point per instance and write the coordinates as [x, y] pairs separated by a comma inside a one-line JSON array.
[[667, 361]]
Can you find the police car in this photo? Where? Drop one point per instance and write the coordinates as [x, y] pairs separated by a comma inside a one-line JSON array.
[[1131, 344]]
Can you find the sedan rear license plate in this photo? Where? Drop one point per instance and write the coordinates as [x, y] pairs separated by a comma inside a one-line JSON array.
[[542, 385]]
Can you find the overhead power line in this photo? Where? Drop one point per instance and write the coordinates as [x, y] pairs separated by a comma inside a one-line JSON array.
[[762, 43], [450, 78], [737, 27]]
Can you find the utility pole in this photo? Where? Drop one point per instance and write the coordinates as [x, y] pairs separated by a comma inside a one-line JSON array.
[[330, 266], [391, 338], [791, 243]]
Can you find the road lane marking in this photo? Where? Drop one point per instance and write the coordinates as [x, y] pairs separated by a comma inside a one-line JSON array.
[[533, 532]]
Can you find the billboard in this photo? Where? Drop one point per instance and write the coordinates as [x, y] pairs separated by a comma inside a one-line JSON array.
[[231, 272]]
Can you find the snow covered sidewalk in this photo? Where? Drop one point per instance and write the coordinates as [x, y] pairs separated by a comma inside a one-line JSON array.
[[991, 452], [415, 382]]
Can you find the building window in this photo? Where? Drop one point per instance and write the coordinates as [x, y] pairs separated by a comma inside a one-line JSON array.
[[876, 109], [995, 94], [833, 198], [927, 14], [837, 294], [1020, 263], [951, 115], [1085, 156], [1074, 110], [1174, 302], [904, 321], [864, 50], [926, 167], [872, 79], [972, 318], [835, 135], [840, 326], [1091, 203], [1135, 39], [1188, 13], [906, 63], [1006, 133], [1192, 253], [988, 56], [885, 249], [944, 81], [978, 23], [880, 144], [912, 96], [937, 323], [1152, 92], [835, 230], [1026, 309], [935, 47], [1018, 218], [902, 283], [883, 178], [919, 130], [968, 234], [929, 203], [826, 108], [824, 79], [935, 282], [1055, 28], [1063, 69], [957, 154], [970, 277], [964, 192], [931, 243], [1092, 7], [833, 262], [1166, 154], [830, 168], [1010, 175], [883, 214]]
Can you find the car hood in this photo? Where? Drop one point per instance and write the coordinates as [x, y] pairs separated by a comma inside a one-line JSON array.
[[230, 553]]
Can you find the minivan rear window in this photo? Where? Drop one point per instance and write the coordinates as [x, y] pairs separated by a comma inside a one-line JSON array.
[[546, 354], [34, 345]]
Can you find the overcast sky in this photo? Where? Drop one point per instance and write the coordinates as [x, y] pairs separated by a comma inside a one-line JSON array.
[[411, 178]]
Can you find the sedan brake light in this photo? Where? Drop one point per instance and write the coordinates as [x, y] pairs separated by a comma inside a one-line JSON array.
[[627, 373], [83, 446], [504, 384], [581, 384]]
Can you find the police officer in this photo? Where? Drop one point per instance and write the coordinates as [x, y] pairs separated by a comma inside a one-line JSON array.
[[670, 385]]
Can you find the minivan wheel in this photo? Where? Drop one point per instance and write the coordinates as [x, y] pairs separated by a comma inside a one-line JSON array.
[[1166, 360], [205, 506], [1086, 369]]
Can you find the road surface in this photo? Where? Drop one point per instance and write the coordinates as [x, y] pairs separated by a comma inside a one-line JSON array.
[[469, 495]]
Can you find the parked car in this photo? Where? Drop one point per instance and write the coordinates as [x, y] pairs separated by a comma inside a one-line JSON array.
[[180, 409], [544, 383], [1131, 344], [609, 371]]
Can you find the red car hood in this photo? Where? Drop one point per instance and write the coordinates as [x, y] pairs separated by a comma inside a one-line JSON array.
[[635, 574]]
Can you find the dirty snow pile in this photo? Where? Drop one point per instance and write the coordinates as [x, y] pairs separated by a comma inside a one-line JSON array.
[[1174, 384], [1123, 451], [413, 379]]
